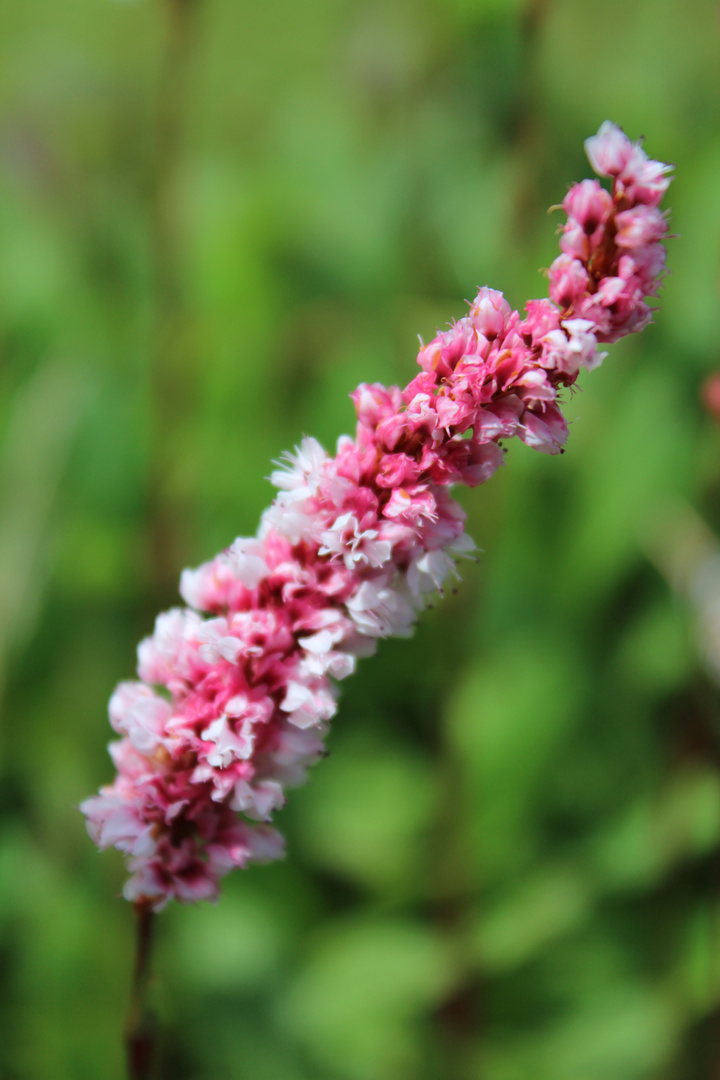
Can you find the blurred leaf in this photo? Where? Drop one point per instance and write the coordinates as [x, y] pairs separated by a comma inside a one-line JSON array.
[[34, 452], [655, 832], [359, 1000], [527, 919], [657, 652], [506, 722], [367, 812], [233, 945], [624, 1037]]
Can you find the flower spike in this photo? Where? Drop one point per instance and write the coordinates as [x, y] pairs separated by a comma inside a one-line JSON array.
[[236, 690]]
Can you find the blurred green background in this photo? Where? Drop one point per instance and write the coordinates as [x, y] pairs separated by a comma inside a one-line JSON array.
[[216, 218]]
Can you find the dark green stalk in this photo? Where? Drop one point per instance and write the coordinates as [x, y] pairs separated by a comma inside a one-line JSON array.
[[141, 1026]]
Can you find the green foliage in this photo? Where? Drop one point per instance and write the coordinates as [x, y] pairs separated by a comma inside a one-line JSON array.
[[508, 867]]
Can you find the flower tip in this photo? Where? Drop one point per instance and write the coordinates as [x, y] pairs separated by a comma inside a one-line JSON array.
[[609, 151]]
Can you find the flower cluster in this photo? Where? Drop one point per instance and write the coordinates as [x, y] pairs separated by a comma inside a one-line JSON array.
[[237, 689]]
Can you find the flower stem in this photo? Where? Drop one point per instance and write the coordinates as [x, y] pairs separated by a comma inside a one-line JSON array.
[[140, 1028]]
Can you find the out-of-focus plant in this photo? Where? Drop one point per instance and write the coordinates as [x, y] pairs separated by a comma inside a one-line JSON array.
[[32, 458]]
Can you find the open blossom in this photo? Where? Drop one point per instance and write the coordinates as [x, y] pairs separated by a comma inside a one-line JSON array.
[[236, 690]]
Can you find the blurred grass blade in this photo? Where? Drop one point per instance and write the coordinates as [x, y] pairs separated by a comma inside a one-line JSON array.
[[33, 457]]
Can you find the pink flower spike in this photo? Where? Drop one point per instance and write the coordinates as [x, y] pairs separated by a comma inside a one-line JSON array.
[[235, 693]]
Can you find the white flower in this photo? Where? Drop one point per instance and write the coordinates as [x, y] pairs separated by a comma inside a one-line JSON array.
[[246, 560], [381, 612]]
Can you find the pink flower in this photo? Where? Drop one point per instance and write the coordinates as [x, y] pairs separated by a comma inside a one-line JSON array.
[[609, 151], [589, 204], [489, 312], [639, 226], [237, 690], [569, 281]]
